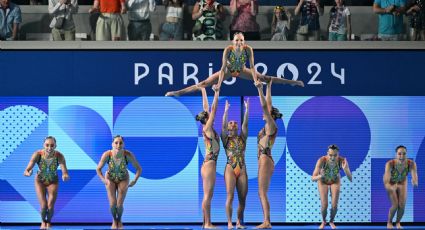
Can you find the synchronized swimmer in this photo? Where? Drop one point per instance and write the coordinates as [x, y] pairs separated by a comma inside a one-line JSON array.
[[265, 141], [326, 173], [212, 148], [235, 174], [395, 182], [117, 180], [233, 65], [46, 180]]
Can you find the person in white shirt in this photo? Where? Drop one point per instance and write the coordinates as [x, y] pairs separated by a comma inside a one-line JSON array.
[[172, 29], [139, 26], [62, 24], [339, 25]]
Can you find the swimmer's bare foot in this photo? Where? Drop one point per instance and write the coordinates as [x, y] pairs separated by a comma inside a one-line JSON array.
[[120, 225], [264, 225], [114, 225], [229, 226], [239, 225], [172, 94], [209, 226]]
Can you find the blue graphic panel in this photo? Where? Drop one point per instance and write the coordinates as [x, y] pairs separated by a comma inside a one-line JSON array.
[[168, 143], [86, 127], [38, 102], [322, 121], [155, 72], [16, 124], [69, 189], [162, 122], [8, 193]]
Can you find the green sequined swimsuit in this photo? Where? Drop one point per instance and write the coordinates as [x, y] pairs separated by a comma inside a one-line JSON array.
[[47, 169], [397, 175], [117, 170], [235, 63], [331, 172]]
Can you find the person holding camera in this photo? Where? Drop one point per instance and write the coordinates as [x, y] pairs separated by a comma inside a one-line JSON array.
[[281, 24], [244, 13], [390, 26], [62, 24], [208, 14], [309, 26], [339, 26], [172, 29], [416, 12]]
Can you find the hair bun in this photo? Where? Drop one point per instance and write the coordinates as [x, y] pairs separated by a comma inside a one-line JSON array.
[[197, 117], [275, 113]]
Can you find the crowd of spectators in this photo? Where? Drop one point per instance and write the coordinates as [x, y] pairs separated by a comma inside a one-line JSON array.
[[301, 24]]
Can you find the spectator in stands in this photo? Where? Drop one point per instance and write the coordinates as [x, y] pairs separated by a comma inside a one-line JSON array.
[[281, 24], [172, 29], [62, 23], [110, 24], [207, 14], [390, 18], [244, 14], [139, 26], [309, 26], [339, 25], [416, 13], [10, 16]]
